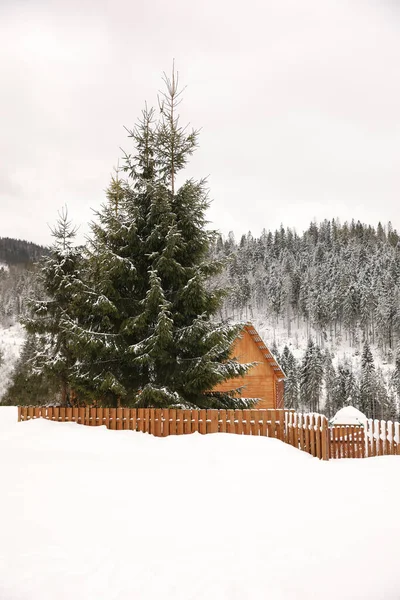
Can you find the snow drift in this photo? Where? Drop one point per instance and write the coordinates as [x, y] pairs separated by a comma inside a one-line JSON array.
[[89, 513]]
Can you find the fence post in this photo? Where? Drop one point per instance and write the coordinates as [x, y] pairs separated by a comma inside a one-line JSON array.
[[324, 440]]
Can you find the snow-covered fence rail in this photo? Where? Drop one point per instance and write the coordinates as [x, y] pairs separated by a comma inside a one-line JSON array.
[[306, 432]]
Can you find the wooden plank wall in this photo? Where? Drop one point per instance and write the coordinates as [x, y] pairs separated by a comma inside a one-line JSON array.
[[306, 432], [259, 381]]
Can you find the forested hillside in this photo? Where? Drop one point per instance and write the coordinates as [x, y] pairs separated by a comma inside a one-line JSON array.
[[19, 252], [17, 277], [18, 283], [328, 301]]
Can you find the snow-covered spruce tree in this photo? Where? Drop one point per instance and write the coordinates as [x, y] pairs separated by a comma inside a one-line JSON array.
[[329, 385], [145, 332], [291, 383], [311, 376], [383, 401], [368, 383], [394, 383], [27, 386], [346, 389], [54, 355]]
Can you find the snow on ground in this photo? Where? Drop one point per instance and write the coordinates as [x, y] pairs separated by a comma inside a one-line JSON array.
[[88, 513], [11, 341]]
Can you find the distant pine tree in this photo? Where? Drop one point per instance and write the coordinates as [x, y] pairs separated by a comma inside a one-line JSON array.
[[291, 382], [311, 377], [368, 401], [330, 407]]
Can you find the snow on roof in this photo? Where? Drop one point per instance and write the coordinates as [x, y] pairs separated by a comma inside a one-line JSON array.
[[349, 415]]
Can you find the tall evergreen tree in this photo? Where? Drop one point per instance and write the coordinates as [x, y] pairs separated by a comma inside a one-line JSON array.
[[145, 333], [330, 385], [54, 356], [291, 384], [368, 383], [311, 378]]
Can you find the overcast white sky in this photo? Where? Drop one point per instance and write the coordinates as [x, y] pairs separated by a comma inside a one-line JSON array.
[[298, 101]]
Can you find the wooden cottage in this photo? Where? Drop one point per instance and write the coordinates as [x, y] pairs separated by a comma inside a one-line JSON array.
[[265, 379]]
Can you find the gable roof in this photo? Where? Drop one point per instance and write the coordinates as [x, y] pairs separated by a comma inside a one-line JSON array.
[[249, 327]]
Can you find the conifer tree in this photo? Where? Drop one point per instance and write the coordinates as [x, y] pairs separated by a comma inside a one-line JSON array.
[[145, 332], [368, 383], [395, 377], [54, 355], [291, 383], [28, 387], [311, 377], [330, 385]]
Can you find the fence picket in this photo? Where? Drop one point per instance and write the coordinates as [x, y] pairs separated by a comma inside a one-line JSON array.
[[281, 429], [397, 437], [254, 423], [324, 441], [202, 421], [312, 435], [222, 421], [238, 422], [317, 429], [99, 416], [301, 432], [165, 422], [195, 421], [113, 418], [273, 423], [262, 419], [157, 422], [246, 422], [296, 431], [126, 412], [118, 418], [214, 420], [187, 421]]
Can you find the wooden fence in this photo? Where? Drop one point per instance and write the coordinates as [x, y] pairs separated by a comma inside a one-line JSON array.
[[347, 441], [376, 438], [309, 432], [306, 432]]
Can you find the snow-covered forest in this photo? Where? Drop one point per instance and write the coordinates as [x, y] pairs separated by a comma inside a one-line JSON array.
[[327, 302], [18, 283]]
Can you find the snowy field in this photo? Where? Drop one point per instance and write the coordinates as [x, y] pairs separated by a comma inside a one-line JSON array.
[[87, 513]]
